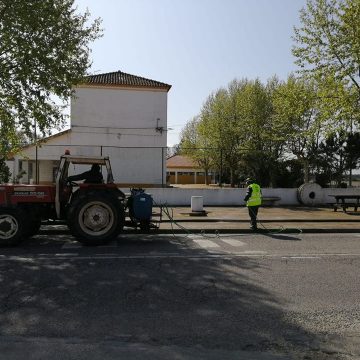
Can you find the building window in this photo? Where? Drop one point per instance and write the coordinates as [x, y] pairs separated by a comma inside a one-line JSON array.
[[187, 173]]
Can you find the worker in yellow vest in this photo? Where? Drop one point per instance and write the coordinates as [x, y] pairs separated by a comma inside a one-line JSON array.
[[253, 201]]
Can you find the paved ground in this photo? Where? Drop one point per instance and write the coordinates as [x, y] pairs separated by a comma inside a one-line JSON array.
[[159, 296], [219, 220], [283, 219], [237, 296]]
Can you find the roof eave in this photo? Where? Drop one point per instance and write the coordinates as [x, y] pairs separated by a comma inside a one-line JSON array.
[[88, 84]]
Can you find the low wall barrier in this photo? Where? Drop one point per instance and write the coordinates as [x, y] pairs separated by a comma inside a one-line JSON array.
[[312, 195]]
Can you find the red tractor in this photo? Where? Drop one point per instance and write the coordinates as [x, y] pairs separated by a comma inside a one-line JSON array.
[[94, 213]]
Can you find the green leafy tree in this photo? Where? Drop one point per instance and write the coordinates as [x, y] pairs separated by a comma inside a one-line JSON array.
[[329, 40], [44, 51], [237, 123], [11, 139], [4, 172], [337, 154], [327, 48], [352, 153], [213, 128], [261, 147], [297, 120], [195, 145], [331, 159], [235, 130], [219, 125]]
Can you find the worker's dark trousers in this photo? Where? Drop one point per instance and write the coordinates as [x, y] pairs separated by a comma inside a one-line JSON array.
[[253, 211]]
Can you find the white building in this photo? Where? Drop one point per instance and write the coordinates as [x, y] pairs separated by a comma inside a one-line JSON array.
[[115, 114]]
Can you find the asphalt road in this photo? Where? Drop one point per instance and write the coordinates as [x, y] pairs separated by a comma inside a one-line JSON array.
[[276, 296]]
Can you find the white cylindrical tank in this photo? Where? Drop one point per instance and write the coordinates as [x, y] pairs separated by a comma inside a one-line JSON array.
[[197, 203]]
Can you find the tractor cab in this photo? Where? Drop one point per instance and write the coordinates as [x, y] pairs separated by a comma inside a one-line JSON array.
[[76, 164]]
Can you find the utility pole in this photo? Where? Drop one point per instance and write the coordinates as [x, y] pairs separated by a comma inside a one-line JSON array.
[[221, 167], [36, 156]]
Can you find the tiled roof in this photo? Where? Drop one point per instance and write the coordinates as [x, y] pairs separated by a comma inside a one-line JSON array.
[[181, 161], [120, 78]]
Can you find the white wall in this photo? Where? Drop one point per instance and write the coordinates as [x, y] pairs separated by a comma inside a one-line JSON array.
[[123, 117], [234, 197], [129, 165], [138, 165], [216, 197]]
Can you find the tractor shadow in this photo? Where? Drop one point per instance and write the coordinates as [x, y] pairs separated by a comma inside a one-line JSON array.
[[189, 299]]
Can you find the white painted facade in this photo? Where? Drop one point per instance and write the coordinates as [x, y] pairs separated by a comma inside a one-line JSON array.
[[127, 124], [121, 117]]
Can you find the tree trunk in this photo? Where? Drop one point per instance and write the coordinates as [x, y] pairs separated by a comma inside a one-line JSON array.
[[306, 170], [206, 176], [350, 177]]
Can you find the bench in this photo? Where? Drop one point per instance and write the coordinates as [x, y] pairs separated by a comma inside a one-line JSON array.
[[269, 200], [343, 206], [345, 201]]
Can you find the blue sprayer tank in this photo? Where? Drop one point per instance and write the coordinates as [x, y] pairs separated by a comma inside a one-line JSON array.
[[141, 205]]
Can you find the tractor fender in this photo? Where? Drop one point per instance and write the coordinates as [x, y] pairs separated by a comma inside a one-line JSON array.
[[115, 193]]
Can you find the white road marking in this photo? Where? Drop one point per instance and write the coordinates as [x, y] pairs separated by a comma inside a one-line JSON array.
[[206, 244], [254, 252], [300, 257], [233, 242]]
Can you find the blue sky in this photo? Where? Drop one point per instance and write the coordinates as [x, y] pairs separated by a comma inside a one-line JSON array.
[[197, 46]]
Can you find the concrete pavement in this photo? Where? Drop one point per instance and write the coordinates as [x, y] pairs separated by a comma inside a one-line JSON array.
[[272, 219], [222, 220]]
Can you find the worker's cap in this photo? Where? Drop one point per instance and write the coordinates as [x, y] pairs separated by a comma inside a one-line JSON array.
[[249, 181]]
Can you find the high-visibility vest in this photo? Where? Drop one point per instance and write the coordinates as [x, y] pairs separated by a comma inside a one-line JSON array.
[[255, 198]]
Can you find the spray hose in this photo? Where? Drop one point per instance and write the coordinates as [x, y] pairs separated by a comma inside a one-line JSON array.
[[169, 213]]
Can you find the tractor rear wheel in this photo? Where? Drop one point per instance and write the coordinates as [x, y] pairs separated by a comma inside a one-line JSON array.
[[94, 219], [12, 225]]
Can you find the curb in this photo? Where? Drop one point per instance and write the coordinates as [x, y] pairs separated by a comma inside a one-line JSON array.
[[197, 220], [224, 231]]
